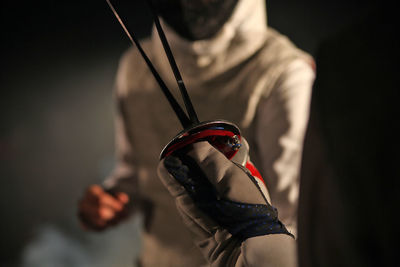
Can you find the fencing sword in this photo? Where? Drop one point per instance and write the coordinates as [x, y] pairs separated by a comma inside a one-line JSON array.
[[223, 135]]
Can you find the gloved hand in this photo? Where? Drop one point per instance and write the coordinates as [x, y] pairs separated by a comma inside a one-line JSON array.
[[221, 203]]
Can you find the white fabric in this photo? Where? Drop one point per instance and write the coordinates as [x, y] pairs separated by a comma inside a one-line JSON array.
[[252, 76], [268, 251], [241, 36]]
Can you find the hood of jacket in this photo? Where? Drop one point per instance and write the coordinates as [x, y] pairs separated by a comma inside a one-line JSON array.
[[240, 37]]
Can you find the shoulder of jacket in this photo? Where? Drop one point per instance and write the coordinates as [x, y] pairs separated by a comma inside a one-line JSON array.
[[279, 51], [133, 72]]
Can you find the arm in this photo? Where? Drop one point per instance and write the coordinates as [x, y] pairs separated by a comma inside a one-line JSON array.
[[123, 177], [108, 204], [281, 121]]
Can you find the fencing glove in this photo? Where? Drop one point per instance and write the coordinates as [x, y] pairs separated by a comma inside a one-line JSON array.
[[221, 203]]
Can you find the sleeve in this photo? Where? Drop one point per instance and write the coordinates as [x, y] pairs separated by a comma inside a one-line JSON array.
[[268, 251], [123, 178], [281, 123]]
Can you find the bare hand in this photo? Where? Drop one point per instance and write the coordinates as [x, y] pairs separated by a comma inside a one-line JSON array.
[[99, 209]]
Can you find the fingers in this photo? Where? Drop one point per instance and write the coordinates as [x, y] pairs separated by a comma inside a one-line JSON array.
[[171, 170], [229, 180], [99, 209], [201, 225], [173, 186]]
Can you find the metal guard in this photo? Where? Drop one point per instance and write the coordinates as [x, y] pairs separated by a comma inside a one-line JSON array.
[[223, 135]]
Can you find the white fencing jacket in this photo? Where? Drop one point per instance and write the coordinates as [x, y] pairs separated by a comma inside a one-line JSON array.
[[248, 74]]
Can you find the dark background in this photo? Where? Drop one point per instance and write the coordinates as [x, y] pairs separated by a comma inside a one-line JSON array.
[[58, 61]]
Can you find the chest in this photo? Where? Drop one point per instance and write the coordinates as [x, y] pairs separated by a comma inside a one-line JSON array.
[[151, 122]]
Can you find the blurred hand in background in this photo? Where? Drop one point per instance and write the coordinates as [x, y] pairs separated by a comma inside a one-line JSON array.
[[99, 209]]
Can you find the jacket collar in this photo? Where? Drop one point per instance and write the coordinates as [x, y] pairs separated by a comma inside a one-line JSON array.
[[241, 36]]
